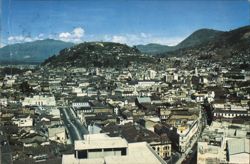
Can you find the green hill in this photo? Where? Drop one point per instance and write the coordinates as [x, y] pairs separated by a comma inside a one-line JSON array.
[[97, 54], [198, 37], [231, 44], [154, 48]]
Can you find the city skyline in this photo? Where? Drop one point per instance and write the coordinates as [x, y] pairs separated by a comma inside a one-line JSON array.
[[131, 22]]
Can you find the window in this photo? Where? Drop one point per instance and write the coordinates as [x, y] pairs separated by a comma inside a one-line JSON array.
[[82, 154], [95, 150], [107, 149]]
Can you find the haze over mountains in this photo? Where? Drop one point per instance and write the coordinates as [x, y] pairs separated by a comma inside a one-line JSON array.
[[31, 52], [203, 41], [196, 38]]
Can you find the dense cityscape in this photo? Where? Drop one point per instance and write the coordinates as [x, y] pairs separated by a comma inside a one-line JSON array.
[[174, 110], [122, 97]]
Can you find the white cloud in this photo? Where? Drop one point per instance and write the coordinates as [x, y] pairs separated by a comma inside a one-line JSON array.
[[19, 39], [50, 36], [143, 38], [78, 32], [2, 45], [39, 37], [119, 39], [170, 41], [76, 35], [64, 35], [143, 35]]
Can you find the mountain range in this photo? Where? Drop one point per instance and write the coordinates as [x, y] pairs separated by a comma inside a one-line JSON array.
[[218, 44], [205, 41], [231, 44], [31, 52], [196, 38]]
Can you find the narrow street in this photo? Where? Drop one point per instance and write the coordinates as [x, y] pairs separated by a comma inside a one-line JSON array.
[[190, 153], [5, 151], [75, 129]]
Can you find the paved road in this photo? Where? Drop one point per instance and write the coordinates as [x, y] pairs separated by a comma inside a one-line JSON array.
[[5, 151], [193, 146], [73, 125], [78, 123]]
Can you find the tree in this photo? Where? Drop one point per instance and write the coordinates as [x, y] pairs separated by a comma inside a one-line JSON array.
[[26, 88], [208, 109]]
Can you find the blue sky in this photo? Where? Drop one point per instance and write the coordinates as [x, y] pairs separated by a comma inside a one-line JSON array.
[[126, 21]]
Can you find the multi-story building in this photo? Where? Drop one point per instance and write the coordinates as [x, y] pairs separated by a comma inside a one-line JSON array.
[[57, 134], [23, 121], [181, 127], [186, 133], [39, 100], [228, 110], [101, 149]]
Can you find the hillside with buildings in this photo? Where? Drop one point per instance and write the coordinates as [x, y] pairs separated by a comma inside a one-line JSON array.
[[95, 94], [97, 54], [232, 44], [204, 44]]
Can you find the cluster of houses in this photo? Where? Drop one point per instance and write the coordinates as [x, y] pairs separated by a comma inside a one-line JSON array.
[[170, 106]]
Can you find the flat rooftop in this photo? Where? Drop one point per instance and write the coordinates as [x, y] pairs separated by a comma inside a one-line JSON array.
[[100, 141], [138, 153]]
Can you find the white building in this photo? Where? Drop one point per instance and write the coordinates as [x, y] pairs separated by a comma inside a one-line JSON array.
[[101, 149], [81, 109], [80, 104], [224, 142], [76, 90], [200, 97], [228, 110], [152, 74], [9, 80], [186, 134], [123, 121], [23, 121], [57, 134], [3, 102], [238, 150], [145, 83], [39, 100], [176, 76]]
